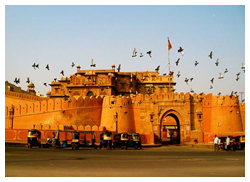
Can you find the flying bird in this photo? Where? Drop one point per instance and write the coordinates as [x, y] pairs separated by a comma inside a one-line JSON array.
[[47, 67], [212, 80], [73, 64], [157, 69], [211, 55], [28, 80], [186, 80], [34, 66], [225, 70], [141, 55], [17, 80], [119, 68], [37, 66], [238, 77], [134, 53], [243, 66], [191, 79], [217, 62], [62, 72], [92, 63], [45, 84], [149, 53], [181, 51], [179, 74], [177, 62], [238, 74], [196, 63], [221, 76], [211, 86]]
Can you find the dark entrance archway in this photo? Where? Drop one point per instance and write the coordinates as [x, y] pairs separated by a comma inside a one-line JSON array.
[[170, 129]]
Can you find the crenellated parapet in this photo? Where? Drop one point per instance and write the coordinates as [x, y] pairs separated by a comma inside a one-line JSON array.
[[50, 105]]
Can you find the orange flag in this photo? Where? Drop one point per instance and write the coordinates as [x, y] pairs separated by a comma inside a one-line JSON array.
[[169, 45]]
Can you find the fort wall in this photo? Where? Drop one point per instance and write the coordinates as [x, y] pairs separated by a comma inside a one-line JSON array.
[[200, 116]]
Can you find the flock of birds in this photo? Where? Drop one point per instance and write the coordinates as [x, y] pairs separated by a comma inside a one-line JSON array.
[[134, 54], [36, 66]]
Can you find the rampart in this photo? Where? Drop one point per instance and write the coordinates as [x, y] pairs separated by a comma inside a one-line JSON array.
[[199, 116]]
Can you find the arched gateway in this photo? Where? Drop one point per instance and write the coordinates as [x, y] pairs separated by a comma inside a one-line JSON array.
[[170, 127]]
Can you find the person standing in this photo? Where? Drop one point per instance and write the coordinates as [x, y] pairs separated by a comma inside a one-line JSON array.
[[228, 143], [216, 141]]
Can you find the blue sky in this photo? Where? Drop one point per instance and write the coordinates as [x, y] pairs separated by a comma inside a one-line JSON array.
[[59, 35]]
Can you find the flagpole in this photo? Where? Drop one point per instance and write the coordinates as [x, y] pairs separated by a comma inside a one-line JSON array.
[[169, 64]]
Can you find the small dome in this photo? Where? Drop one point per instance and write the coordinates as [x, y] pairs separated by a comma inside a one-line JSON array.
[[78, 66], [31, 85], [48, 93], [113, 65]]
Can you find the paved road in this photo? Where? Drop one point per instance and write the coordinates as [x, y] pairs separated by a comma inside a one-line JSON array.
[[166, 161]]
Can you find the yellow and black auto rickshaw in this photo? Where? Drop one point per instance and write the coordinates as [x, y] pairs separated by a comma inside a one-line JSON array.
[[121, 140], [34, 137], [106, 140], [239, 142], [136, 140]]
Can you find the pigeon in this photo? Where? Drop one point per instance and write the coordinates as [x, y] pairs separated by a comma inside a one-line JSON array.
[[181, 51], [191, 79], [34, 66], [149, 53], [62, 72], [243, 66], [219, 94], [177, 62], [55, 79], [134, 53], [45, 84], [73, 64], [47, 67], [186, 80], [238, 74], [212, 80], [141, 55], [238, 77], [179, 74], [119, 68], [192, 91], [17, 80], [225, 70], [211, 55], [157, 69], [211, 87], [221, 76], [92, 63], [232, 93], [217, 62], [37, 66], [164, 74], [196, 63], [170, 73], [28, 80]]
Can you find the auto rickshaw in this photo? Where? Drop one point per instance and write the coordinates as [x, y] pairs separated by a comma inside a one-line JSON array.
[[121, 140], [239, 142], [75, 141], [106, 140], [136, 140], [33, 138]]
